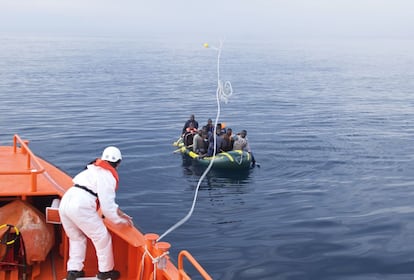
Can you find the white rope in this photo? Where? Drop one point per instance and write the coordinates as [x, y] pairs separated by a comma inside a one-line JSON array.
[[53, 182], [224, 89], [155, 261], [143, 263], [223, 92]]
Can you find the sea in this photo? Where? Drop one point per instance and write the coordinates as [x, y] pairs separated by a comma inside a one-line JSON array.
[[329, 121]]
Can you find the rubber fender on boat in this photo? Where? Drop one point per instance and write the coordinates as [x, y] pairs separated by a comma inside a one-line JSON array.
[[38, 236]]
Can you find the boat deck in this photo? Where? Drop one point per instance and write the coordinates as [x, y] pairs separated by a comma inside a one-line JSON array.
[[24, 174], [26, 177]]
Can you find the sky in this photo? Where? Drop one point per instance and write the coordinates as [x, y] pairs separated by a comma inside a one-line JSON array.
[[248, 18]]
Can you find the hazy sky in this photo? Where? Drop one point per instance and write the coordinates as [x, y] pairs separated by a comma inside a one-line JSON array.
[[268, 18]]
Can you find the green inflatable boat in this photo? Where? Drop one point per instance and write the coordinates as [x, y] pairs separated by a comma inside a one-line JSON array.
[[232, 160]]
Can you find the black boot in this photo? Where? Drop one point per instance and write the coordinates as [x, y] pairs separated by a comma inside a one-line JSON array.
[[74, 274], [113, 275]]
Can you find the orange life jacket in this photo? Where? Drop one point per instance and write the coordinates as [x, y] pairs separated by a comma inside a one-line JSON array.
[[105, 165], [191, 130]]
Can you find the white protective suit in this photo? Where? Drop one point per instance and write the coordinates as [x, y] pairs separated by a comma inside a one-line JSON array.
[[79, 216]]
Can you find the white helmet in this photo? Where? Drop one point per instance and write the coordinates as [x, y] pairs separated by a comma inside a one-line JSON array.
[[112, 154]]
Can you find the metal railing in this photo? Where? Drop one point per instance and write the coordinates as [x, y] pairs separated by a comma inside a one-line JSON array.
[[33, 166], [194, 262]]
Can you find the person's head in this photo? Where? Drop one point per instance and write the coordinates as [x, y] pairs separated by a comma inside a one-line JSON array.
[[192, 117], [243, 133], [229, 131], [112, 155], [218, 128], [210, 122]]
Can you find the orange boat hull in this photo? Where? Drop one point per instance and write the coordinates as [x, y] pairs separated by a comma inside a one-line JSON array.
[[28, 182]]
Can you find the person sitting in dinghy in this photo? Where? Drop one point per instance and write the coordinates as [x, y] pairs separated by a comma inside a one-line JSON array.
[[200, 144], [216, 143], [210, 127], [228, 141], [188, 122], [242, 143], [189, 134]]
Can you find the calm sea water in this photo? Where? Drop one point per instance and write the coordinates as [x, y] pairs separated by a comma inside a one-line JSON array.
[[330, 123]]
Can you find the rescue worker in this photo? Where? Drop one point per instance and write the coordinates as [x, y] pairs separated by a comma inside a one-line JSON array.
[[93, 188]]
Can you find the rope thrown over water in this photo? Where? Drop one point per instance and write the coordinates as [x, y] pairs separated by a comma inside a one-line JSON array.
[[223, 93]]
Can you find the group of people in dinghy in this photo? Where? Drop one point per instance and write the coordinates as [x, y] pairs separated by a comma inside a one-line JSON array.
[[201, 141]]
